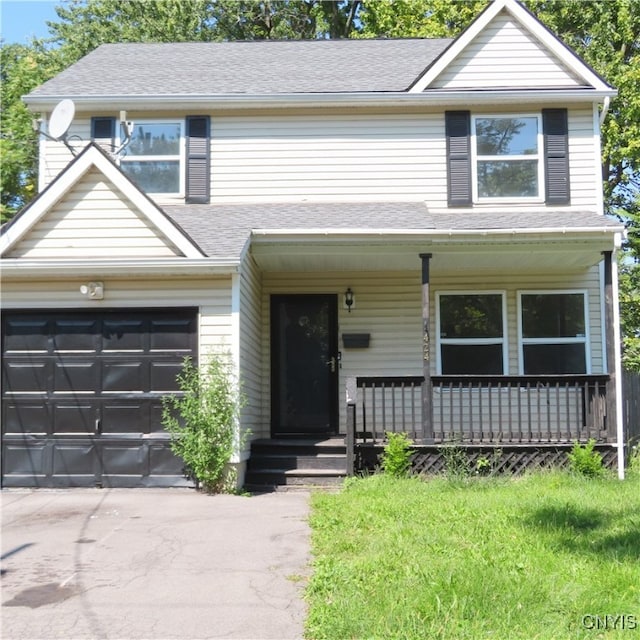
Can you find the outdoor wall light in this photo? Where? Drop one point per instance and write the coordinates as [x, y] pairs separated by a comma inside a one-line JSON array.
[[349, 299], [93, 290]]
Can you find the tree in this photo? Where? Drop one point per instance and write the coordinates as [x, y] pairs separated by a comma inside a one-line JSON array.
[[22, 68], [630, 314], [84, 24]]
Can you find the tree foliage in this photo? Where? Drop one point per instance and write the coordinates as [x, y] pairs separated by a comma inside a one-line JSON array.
[[84, 24], [22, 68], [630, 314]]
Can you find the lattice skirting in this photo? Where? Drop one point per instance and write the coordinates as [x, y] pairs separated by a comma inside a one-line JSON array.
[[482, 460]]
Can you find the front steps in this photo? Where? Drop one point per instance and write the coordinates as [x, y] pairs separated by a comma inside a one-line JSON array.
[[287, 463]]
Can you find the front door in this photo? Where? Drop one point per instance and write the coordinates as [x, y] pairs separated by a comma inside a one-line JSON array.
[[304, 365]]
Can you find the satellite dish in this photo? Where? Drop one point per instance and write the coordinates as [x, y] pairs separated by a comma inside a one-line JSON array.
[[61, 119]]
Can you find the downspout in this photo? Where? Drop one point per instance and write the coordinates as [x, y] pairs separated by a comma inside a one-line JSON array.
[[617, 363], [605, 109], [240, 456], [617, 359]]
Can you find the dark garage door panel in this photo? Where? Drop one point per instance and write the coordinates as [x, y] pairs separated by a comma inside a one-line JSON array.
[[82, 396]]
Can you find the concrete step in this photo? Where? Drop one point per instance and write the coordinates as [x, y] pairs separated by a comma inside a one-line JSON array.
[[284, 461], [299, 446], [296, 462], [271, 479]]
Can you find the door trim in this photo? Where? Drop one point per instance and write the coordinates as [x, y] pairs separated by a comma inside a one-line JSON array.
[[274, 344]]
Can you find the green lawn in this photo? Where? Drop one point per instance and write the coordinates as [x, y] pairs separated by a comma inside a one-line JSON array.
[[537, 557]]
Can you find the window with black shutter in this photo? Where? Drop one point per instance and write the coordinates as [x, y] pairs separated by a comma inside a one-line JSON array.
[[457, 131], [507, 157], [103, 132], [556, 155], [197, 167]]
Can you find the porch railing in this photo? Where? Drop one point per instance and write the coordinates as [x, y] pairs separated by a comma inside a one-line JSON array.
[[481, 409]]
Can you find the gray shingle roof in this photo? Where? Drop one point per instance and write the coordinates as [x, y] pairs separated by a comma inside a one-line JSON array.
[[223, 230], [246, 68]]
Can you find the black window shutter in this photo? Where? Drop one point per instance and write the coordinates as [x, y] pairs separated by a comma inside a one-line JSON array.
[[197, 170], [458, 134], [103, 132], [556, 155]]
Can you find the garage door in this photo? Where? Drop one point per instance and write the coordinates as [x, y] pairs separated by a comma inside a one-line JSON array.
[[82, 397]]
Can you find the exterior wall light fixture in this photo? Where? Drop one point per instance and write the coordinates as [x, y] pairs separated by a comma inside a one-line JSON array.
[[349, 299], [93, 290]]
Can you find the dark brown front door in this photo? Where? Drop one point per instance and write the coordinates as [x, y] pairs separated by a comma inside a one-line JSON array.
[[304, 365]]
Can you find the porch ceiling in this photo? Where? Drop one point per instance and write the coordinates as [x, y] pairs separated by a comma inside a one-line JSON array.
[[450, 255]]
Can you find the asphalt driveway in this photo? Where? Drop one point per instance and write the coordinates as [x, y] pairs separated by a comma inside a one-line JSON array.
[[152, 563]]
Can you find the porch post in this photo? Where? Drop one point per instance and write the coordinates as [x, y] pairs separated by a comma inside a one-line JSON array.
[[427, 386], [611, 347]]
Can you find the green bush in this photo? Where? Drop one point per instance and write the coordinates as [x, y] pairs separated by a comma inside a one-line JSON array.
[[585, 461], [202, 421], [456, 461], [634, 460], [396, 456]]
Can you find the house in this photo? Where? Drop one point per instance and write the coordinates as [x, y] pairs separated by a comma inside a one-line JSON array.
[[382, 234]]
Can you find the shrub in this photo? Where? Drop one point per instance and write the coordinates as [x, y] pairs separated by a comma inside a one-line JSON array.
[[584, 460], [202, 421], [396, 456], [634, 460], [456, 462]]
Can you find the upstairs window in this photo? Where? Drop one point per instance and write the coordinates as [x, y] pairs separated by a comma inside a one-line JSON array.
[[471, 336], [507, 157], [553, 333], [154, 156]]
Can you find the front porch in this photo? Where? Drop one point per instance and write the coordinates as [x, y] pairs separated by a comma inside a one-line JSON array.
[[481, 409], [484, 344], [534, 419]]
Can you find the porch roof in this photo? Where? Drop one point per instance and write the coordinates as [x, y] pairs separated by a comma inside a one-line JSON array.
[[378, 235]]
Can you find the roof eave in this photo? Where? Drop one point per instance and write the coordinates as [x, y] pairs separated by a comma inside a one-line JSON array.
[[508, 235], [433, 97], [21, 268]]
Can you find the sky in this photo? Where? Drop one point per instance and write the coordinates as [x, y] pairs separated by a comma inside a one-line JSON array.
[[20, 20]]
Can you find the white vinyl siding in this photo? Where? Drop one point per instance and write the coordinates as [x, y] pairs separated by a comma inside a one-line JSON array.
[[504, 55], [328, 158], [93, 221], [344, 157], [584, 160], [55, 156], [253, 368], [211, 296]]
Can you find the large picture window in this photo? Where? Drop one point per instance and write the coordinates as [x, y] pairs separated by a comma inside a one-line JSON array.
[[470, 330], [154, 156], [508, 157], [553, 332]]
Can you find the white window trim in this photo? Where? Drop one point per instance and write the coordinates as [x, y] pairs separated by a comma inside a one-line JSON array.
[[585, 340], [180, 157], [540, 198], [505, 331]]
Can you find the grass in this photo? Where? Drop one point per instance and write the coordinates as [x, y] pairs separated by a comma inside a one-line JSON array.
[[478, 558]]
